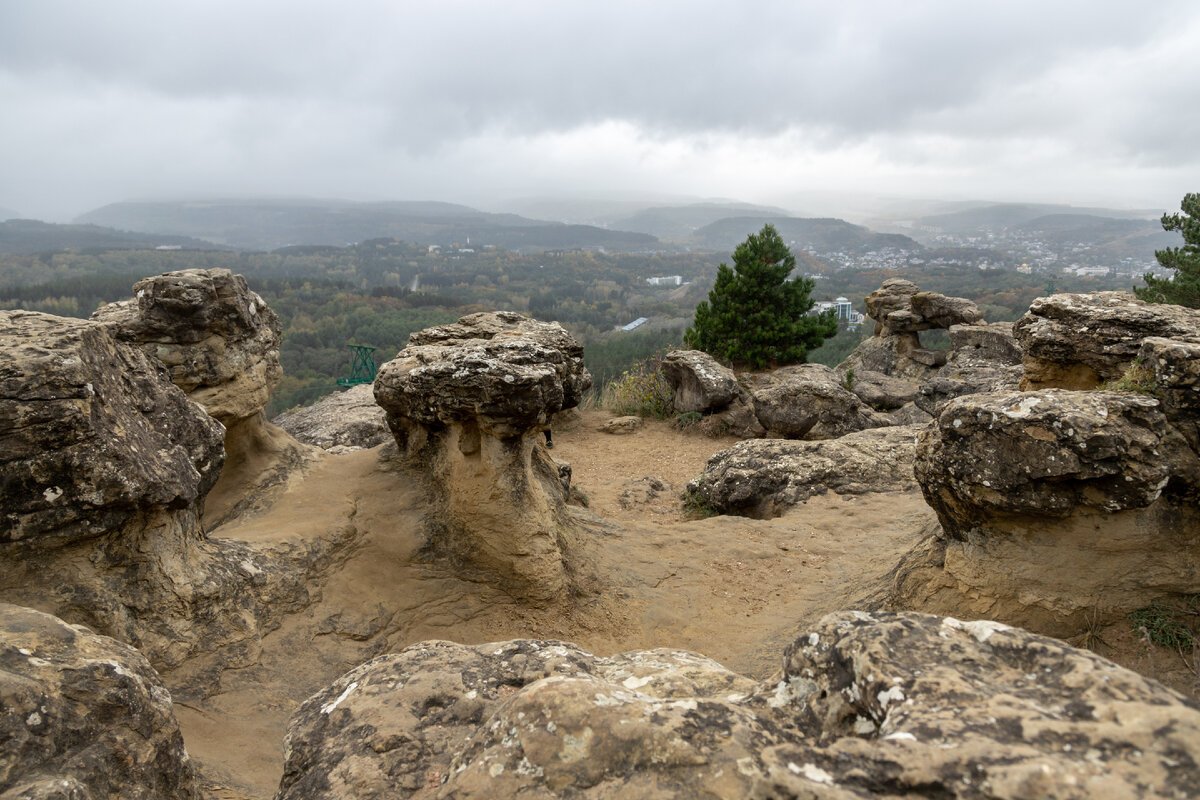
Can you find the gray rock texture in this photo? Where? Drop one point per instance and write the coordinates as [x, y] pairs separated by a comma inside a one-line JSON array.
[[1078, 341], [349, 419], [218, 339], [466, 404], [84, 716], [699, 382], [881, 392], [764, 477], [1056, 507], [808, 401], [104, 465], [866, 705]]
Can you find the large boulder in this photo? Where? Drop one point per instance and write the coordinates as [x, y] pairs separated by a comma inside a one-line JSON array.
[[466, 404], [866, 705], [698, 382], [220, 344], [104, 467], [350, 419], [983, 358], [218, 339], [881, 392], [1055, 507], [809, 401], [84, 716], [765, 477], [1172, 369], [1078, 341]]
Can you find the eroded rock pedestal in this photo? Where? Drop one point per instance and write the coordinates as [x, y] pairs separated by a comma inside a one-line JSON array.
[[467, 404], [895, 705], [104, 466], [220, 344]]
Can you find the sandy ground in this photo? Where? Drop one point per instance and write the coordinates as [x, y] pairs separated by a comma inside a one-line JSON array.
[[735, 589]]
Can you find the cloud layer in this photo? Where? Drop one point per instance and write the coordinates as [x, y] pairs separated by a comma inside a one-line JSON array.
[[1088, 102]]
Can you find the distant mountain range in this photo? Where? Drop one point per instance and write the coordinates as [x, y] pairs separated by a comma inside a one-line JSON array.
[[29, 236], [814, 235], [1007, 215], [271, 224], [680, 223]]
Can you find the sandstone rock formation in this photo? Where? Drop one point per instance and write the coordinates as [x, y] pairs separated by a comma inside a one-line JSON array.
[[901, 311], [1056, 507], [764, 477], [881, 392], [350, 419], [220, 344], [1078, 341], [467, 404], [84, 716], [983, 358], [104, 465], [808, 401], [699, 382], [866, 705]]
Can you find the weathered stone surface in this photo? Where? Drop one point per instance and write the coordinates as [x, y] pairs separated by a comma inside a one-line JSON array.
[[104, 465], [866, 705], [93, 436], [218, 339], [1056, 507], [621, 426], [809, 401], [984, 358], [881, 392], [990, 343], [1078, 341], [467, 404], [1174, 369], [765, 477], [349, 419], [699, 382], [83, 716]]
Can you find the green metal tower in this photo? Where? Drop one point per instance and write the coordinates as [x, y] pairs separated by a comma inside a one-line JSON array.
[[362, 369]]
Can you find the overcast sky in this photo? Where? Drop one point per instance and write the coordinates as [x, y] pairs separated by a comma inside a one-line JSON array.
[[1087, 102]]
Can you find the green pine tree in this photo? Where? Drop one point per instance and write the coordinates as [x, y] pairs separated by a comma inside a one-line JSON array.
[[756, 317], [1182, 288]]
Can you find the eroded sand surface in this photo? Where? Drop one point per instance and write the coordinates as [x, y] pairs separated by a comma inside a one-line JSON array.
[[732, 588]]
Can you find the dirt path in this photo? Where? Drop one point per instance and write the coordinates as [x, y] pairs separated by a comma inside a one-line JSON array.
[[735, 589]]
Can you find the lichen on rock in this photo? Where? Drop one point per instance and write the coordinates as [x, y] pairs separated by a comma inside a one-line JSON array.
[[467, 404]]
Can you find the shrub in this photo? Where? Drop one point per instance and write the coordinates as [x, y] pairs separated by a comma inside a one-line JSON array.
[[1138, 378], [642, 390]]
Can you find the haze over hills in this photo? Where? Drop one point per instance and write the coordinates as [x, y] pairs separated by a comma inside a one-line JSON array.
[[680, 223], [268, 224], [29, 236], [1005, 215], [816, 235], [8, 213]]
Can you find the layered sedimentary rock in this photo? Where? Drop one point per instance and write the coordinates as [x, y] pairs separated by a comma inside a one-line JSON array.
[[220, 344], [467, 404], [1078, 341], [84, 716], [349, 419], [901, 311], [983, 358], [1055, 507], [104, 465], [764, 477], [866, 705]]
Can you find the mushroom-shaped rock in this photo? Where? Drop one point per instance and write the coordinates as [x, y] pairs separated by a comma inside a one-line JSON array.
[[903, 705], [218, 339], [901, 310], [84, 716], [809, 401], [220, 344], [764, 477], [467, 404], [104, 464], [1055, 505], [699, 383], [1078, 341]]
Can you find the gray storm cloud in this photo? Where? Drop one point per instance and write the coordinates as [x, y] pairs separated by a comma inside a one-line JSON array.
[[388, 99]]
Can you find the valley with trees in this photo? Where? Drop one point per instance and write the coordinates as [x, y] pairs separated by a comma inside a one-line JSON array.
[[378, 290]]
